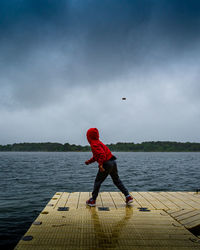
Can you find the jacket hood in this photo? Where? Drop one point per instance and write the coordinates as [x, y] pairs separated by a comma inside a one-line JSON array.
[[92, 134]]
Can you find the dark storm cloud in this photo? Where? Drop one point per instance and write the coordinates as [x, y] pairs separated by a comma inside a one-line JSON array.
[[62, 61], [49, 46]]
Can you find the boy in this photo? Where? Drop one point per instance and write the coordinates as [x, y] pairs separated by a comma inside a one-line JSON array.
[[107, 166]]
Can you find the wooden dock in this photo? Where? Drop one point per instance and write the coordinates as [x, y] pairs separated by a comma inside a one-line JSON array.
[[154, 221]]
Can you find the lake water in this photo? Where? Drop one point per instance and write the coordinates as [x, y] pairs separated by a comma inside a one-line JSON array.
[[29, 180]]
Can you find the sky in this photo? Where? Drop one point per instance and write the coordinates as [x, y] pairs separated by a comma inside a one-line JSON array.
[[66, 65]]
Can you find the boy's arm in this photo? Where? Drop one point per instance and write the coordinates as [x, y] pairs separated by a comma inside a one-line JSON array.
[[90, 161]]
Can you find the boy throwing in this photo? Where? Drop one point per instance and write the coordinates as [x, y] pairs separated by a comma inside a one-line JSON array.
[[107, 166]]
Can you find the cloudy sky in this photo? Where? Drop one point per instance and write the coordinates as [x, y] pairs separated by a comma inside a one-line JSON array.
[[65, 66]]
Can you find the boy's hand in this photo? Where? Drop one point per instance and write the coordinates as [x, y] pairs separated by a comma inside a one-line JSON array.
[[101, 169], [87, 162]]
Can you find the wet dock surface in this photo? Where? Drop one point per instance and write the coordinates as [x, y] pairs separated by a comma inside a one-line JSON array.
[[155, 220]]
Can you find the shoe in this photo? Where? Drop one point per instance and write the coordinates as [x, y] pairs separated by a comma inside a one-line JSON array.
[[129, 199], [91, 202]]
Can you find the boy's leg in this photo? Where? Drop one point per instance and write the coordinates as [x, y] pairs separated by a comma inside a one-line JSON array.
[[115, 177], [101, 176]]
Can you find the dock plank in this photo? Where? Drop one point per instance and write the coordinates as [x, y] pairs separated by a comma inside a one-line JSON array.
[[142, 201], [154, 201], [84, 196], [107, 200], [72, 200], [164, 200], [62, 199], [194, 200], [186, 200], [118, 200], [186, 203], [191, 219], [179, 203]]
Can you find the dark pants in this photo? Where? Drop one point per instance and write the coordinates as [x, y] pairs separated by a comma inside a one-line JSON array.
[[110, 169]]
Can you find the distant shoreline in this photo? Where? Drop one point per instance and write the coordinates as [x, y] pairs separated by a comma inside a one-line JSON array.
[[151, 146]]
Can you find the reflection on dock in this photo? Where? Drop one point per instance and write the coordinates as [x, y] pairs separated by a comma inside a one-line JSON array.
[[156, 220], [109, 229]]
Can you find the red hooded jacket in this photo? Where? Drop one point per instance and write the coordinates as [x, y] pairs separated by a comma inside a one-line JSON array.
[[101, 152]]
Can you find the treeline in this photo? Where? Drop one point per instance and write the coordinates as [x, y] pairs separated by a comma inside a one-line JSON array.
[[45, 147], [159, 146]]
